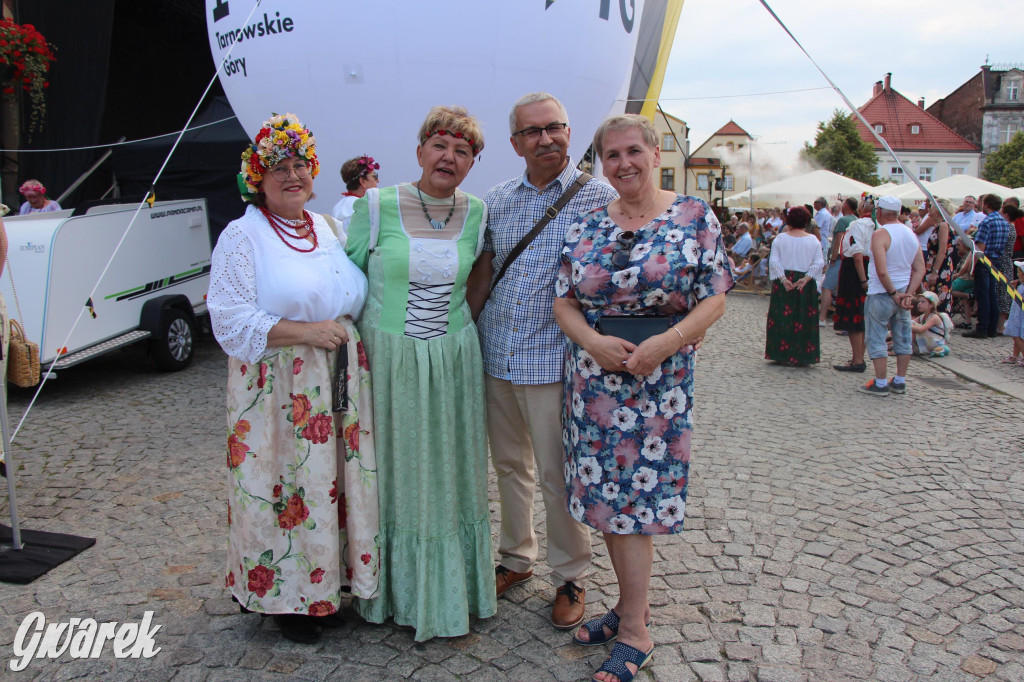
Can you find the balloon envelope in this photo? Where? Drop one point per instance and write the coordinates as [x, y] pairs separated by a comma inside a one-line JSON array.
[[363, 75]]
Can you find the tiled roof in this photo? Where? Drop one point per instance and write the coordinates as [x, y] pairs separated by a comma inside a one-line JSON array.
[[703, 161], [731, 128], [897, 114]]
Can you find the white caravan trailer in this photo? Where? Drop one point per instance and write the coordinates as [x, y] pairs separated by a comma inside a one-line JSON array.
[[155, 287]]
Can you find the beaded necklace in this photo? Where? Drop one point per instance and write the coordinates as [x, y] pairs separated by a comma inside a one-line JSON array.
[[436, 224], [281, 227]]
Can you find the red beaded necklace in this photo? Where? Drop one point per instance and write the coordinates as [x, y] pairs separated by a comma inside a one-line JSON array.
[[281, 227]]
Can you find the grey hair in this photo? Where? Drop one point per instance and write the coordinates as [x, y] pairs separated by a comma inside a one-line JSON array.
[[533, 98], [626, 122]]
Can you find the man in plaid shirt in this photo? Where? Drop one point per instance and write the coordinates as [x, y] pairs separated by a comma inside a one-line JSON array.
[[990, 239], [523, 352]]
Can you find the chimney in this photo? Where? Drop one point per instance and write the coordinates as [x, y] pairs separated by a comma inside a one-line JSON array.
[[920, 103], [877, 89], [888, 81]]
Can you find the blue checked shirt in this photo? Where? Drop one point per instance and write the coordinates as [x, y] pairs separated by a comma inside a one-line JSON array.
[[519, 338], [993, 232]]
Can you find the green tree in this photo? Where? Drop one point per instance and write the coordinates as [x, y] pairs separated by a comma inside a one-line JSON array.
[[1005, 166], [839, 148]]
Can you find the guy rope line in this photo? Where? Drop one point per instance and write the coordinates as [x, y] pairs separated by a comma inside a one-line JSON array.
[[981, 258], [138, 209]]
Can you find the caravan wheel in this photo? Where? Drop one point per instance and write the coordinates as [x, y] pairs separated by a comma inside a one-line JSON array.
[[173, 351]]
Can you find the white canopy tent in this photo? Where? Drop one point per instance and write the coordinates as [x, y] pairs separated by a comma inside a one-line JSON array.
[[908, 193], [884, 189], [956, 187], [800, 189]]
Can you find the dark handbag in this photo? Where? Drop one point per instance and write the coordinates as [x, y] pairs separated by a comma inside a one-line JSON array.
[[633, 328]]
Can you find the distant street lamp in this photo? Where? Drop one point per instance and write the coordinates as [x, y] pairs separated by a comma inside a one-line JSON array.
[[711, 185]]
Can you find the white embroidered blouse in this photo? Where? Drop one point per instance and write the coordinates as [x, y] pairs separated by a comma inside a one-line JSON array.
[[256, 280], [802, 254]]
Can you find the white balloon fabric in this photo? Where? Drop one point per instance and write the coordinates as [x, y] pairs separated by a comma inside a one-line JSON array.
[[363, 75]]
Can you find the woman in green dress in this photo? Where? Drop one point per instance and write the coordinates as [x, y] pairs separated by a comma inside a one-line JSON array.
[[795, 265], [417, 243]]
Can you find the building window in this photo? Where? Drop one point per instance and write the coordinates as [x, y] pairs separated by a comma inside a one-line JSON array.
[[668, 143], [727, 185], [896, 173], [924, 173], [879, 127], [958, 170], [702, 181], [1007, 134], [668, 178], [915, 130], [1012, 88]]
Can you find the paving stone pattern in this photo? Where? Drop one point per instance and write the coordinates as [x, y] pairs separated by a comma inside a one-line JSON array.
[[831, 535]]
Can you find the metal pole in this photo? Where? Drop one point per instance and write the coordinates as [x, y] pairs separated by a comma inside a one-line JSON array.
[[12, 500], [86, 174], [750, 179]]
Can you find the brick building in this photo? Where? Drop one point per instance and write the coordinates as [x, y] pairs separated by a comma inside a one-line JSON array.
[[988, 109], [929, 148]]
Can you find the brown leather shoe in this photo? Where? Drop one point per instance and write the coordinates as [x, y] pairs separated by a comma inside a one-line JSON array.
[[570, 606], [505, 578]]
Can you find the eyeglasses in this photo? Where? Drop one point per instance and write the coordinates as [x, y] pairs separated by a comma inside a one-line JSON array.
[[375, 176], [282, 173], [551, 129], [625, 240]]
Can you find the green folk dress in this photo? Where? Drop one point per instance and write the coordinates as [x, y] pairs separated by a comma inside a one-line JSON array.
[[428, 394]]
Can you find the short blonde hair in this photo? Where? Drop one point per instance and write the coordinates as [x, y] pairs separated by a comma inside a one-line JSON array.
[[455, 121], [946, 205], [626, 122]]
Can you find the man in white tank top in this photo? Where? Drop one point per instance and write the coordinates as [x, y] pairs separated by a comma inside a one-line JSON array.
[[894, 274]]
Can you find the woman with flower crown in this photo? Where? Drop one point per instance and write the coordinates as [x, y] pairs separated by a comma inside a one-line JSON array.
[[417, 243], [302, 505]]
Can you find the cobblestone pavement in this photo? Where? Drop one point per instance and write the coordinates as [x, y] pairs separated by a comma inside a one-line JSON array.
[[831, 535]]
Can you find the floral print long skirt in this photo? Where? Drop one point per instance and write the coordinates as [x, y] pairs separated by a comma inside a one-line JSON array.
[[302, 507], [792, 336]]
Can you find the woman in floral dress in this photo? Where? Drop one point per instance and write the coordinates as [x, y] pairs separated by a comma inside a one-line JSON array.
[[939, 256], [791, 337], [302, 506], [626, 421]]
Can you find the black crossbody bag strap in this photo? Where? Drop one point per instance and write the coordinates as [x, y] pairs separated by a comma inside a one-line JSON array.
[[551, 212]]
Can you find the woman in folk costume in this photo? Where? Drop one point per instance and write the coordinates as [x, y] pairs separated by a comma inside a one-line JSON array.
[[794, 267], [302, 505], [417, 243]]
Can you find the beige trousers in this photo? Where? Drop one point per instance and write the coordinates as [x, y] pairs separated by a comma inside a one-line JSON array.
[[525, 426]]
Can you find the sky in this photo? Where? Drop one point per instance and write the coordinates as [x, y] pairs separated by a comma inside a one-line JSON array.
[[725, 48]]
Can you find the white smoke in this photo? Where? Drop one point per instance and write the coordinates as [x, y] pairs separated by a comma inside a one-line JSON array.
[[771, 162]]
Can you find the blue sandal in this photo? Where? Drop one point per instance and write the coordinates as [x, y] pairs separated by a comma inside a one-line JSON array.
[[621, 655], [595, 628]]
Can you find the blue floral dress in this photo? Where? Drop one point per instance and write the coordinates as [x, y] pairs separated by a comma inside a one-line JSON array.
[[627, 438]]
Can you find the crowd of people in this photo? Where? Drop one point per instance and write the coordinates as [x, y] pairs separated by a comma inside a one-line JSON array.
[[555, 321], [881, 264]]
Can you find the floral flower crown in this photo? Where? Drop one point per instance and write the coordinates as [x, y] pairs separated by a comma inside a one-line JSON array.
[[366, 166], [442, 131], [281, 137], [32, 186], [867, 196]]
